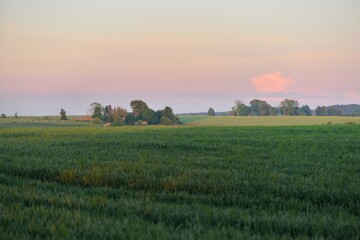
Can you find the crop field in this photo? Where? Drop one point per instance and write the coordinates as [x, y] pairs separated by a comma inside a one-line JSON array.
[[181, 182], [268, 120]]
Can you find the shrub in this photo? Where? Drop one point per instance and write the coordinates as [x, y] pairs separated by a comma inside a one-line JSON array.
[[3, 115], [165, 121], [140, 123], [96, 121], [120, 122]]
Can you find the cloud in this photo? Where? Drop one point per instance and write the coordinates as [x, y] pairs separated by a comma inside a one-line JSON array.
[[271, 82]]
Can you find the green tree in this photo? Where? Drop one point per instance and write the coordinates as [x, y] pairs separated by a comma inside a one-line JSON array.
[[149, 116], [333, 111], [95, 110], [63, 114], [3, 115], [306, 110], [211, 112], [261, 108], [240, 109], [119, 115], [289, 107], [138, 107], [16, 115], [321, 111], [130, 119], [167, 113], [107, 116]]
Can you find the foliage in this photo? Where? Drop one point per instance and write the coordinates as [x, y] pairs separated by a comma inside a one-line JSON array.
[[3, 115], [96, 121], [180, 183], [16, 115], [138, 107], [167, 113], [107, 116], [289, 107], [348, 109], [119, 114], [240, 109], [118, 122], [130, 119], [95, 110], [328, 111], [306, 111], [63, 114], [140, 123], [165, 121], [211, 112], [98, 112], [149, 116], [261, 108]]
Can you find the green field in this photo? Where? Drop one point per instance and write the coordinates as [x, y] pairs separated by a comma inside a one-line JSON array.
[[267, 121], [41, 121], [180, 182]]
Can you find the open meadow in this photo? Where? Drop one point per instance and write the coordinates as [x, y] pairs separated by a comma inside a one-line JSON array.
[[182, 182]]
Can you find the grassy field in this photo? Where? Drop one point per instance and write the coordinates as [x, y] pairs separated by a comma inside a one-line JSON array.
[[267, 121], [180, 182], [42, 122]]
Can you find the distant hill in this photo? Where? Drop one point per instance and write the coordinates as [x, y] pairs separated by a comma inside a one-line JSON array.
[[348, 109]]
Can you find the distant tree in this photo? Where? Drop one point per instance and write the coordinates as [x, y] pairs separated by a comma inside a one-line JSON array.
[[261, 108], [334, 111], [107, 115], [3, 115], [16, 115], [63, 114], [240, 109], [149, 116], [165, 121], [119, 114], [138, 107], [167, 115], [130, 119], [356, 113], [289, 107], [306, 110], [321, 111], [95, 110], [211, 112]]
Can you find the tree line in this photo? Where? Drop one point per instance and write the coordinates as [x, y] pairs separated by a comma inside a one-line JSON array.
[[288, 107], [141, 114]]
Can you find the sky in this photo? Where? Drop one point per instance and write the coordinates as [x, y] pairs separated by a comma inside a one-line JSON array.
[[189, 54]]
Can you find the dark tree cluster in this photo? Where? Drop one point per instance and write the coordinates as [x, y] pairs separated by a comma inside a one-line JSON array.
[[63, 114], [288, 107], [211, 112], [141, 114], [328, 111]]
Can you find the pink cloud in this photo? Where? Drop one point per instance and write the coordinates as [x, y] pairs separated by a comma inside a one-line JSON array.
[[271, 82]]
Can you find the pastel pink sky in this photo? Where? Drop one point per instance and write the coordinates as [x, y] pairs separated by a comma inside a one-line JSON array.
[[190, 55]]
